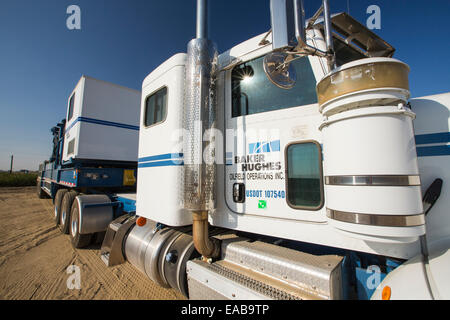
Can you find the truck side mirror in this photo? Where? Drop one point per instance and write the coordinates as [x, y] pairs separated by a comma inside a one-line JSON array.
[[279, 70], [289, 39]]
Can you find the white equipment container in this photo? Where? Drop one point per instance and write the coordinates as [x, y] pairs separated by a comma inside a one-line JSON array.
[[102, 122]]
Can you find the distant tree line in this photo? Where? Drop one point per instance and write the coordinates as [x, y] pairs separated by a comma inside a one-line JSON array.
[[22, 178]]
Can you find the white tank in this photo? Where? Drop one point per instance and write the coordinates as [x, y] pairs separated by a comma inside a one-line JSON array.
[[372, 182]]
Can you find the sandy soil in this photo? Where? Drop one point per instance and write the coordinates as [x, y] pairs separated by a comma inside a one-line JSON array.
[[34, 257]]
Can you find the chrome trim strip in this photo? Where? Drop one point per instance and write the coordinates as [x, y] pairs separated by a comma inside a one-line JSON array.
[[377, 219], [413, 180]]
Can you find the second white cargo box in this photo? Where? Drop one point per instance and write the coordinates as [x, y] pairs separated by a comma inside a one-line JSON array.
[[102, 122]]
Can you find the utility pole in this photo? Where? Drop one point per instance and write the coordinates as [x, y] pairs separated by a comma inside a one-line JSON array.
[[12, 160]]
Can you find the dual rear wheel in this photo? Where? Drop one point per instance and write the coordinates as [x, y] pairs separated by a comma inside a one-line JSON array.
[[78, 240], [58, 202], [66, 207], [67, 217]]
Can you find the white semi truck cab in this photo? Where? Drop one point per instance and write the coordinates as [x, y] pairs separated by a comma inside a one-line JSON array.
[[292, 166]]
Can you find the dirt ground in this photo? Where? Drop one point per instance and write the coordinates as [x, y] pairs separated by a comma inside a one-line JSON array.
[[35, 256]]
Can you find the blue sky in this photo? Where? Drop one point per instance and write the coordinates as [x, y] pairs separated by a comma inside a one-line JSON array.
[[121, 41]]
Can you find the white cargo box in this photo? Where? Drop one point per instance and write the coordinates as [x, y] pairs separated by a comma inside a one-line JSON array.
[[102, 122]]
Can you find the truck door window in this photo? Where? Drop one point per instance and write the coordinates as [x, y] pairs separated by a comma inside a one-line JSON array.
[[253, 93], [156, 107], [304, 176], [71, 103]]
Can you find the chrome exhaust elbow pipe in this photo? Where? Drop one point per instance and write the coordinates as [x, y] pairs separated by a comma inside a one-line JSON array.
[[206, 246]]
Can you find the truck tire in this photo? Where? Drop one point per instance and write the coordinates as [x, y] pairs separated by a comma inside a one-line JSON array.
[[66, 206], [58, 202], [41, 194], [78, 240]]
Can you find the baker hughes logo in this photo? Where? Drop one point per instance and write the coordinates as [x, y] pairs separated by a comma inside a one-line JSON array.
[[256, 160], [261, 147]]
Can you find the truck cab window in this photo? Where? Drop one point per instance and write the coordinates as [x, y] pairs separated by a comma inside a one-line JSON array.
[[156, 107], [253, 93], [71, 103], [304, 176]]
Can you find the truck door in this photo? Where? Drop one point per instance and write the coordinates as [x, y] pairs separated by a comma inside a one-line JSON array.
[[273, 151]]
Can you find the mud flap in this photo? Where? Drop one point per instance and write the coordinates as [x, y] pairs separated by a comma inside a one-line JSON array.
[[111, 251]]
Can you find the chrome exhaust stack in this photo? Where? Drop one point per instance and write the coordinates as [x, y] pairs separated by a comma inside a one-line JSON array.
[[199, 119]]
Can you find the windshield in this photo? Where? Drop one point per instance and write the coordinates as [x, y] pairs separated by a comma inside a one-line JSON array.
[[254, 93]]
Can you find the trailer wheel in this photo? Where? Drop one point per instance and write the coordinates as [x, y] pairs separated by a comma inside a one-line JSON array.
[[66, 206], [58, 203], [78, 240], [41, 194]]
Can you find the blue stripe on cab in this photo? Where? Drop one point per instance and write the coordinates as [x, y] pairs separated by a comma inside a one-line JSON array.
[[434, 150], [443, 150], [162, 157], [169, 159], [433, 138], [161, 164]]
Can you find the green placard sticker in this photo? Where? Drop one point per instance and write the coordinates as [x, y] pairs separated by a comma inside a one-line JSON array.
[[262, 204]]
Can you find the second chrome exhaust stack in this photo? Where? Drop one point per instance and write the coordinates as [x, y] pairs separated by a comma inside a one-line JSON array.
[[199, 117]]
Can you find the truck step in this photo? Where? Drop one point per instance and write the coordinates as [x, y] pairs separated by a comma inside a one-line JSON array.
[[221, 281], [259, 270]]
